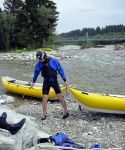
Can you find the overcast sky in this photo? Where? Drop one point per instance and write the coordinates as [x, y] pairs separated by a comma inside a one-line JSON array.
[[79, 14]]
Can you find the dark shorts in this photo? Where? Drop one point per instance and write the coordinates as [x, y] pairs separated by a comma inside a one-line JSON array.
[[47, 85]]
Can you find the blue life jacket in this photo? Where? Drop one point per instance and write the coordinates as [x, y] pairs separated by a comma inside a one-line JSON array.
[[58, 138], [61, 139], [95, 146], [46, 71]]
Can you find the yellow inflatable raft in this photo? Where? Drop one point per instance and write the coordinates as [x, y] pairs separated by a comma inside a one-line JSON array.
[[23, 88], [100, 102]]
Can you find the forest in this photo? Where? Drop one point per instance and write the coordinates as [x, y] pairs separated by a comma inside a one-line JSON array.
[[31, 24], [110, 30], [27, 24]]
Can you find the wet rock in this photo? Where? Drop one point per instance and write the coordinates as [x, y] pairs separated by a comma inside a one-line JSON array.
[[24, 138], [6, 98], [2, 101]]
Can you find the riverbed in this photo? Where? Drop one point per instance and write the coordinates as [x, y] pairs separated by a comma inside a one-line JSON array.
[[100, 70]]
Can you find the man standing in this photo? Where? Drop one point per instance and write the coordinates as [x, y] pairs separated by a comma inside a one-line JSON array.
[[49, 67]]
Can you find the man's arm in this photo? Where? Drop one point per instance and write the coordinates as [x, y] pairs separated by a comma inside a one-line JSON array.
[[61, 72], [37, 71]]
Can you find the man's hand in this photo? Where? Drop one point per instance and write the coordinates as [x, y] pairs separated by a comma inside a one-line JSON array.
[[32, 85], [66, 83]]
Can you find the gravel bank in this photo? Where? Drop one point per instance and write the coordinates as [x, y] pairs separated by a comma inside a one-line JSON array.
[[83, 127]]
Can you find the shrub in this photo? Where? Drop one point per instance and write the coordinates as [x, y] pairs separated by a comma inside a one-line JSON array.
[[18, 51], [45, 49]]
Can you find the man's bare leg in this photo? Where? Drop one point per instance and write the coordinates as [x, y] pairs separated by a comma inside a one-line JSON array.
[[62, 101], [44, 106]]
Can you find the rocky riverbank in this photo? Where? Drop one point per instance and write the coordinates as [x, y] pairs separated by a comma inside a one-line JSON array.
[[31, 55], [84, 127]]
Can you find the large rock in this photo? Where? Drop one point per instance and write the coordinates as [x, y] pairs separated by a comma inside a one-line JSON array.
[[25, 138], [6, 99]]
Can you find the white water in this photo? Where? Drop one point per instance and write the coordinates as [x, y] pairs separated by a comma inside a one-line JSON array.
[[100, 70]]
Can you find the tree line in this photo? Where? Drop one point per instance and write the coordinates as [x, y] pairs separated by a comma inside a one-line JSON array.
[[27, 24], [32, 24], [111, 29]]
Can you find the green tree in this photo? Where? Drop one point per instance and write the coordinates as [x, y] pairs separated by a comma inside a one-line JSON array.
[[12, 6], [98, 30], [38, 20], [35, 22], [46, 20], [7, 25]]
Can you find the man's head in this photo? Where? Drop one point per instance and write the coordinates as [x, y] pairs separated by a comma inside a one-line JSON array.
[[41, 55]]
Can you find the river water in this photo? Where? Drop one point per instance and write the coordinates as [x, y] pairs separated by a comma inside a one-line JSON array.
[[100, 70]]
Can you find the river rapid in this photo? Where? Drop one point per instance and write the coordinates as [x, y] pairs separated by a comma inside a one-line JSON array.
[[100, 70]]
